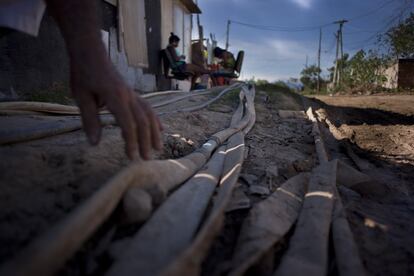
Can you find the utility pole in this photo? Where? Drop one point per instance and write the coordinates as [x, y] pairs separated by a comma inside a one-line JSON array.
[[200, 29], [200, 32], [335, 76], [339, 52], [228, 34], [319, 60], [307, 61]]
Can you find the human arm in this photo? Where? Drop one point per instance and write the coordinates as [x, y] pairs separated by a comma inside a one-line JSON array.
[[95, 82], [174, 55]]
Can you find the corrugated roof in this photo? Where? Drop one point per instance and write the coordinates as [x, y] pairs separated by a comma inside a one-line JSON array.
[[191, 6]]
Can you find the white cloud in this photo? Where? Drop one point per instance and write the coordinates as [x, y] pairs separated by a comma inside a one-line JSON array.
[[272, 59], [305, 4], [287, 49]]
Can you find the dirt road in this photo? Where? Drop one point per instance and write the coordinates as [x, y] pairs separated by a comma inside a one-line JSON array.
[[41, 181], [381, 131], [401, 104]]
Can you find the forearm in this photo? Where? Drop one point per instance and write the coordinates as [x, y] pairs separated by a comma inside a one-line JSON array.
[[173, 54], [79, 23]]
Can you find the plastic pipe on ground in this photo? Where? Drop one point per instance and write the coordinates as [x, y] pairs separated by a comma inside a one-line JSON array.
[[50, 251]]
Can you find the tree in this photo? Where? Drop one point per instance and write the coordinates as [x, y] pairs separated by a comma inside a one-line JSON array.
[[364, 70], [261, 82], [400, 38], [309, 77]]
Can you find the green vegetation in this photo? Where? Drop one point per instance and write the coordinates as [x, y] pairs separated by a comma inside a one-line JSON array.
[[400, 39], [365, 71], [309, 76], [57, 93], [264, 85], [362, 72], [309, 79], [231, 98], [280, 96]]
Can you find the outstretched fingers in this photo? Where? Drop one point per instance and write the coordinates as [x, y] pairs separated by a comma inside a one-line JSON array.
[[143, 130], [154, 124], [120, 107], [90, 116]]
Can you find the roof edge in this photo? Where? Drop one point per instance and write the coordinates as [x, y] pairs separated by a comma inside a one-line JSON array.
[[191, 6]]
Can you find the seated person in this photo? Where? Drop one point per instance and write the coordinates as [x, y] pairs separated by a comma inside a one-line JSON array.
[[180, 63], [227, 60], [226, 67]]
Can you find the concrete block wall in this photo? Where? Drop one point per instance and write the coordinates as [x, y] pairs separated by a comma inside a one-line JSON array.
[[135, 77], [406, 74], [28, 63]]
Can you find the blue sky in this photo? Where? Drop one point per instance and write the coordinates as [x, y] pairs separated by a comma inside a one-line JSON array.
[[280, 55]]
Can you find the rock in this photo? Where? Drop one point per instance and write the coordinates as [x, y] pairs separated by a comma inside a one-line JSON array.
[[259, 190], [176, 146], [288, 171], [272, 171], [249, 178], [303, 165], [238, 201]]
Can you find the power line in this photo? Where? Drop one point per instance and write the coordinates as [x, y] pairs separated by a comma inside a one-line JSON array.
[[281, 28], [307, 28], [381, 30], [372, 11]]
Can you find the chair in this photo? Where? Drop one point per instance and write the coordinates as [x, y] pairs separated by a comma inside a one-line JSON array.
[[237, 68], [170, 71]]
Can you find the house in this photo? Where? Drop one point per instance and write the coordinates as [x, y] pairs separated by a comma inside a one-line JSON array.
[[400, 75], [143, 29], [134, 32]]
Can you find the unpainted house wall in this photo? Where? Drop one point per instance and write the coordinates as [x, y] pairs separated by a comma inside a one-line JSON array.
[[391, 73], [406, 74], [29, 64], [167, 21], [134, 76], [132, 25]]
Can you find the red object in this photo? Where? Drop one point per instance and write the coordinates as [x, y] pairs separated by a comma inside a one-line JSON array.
[[219, 80]]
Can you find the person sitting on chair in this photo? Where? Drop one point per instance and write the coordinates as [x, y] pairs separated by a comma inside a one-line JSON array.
[[227, 60], [180, 62], [226, 64]]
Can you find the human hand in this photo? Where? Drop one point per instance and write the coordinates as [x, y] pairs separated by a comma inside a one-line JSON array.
[[96, 83]]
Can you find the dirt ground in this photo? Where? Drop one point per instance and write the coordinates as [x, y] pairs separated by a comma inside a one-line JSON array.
[[278, 149], [401, 104], [41, 181], [381, 132]]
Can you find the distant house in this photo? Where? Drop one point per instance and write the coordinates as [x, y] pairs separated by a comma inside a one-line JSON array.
[[400, 75], [134, 32]]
